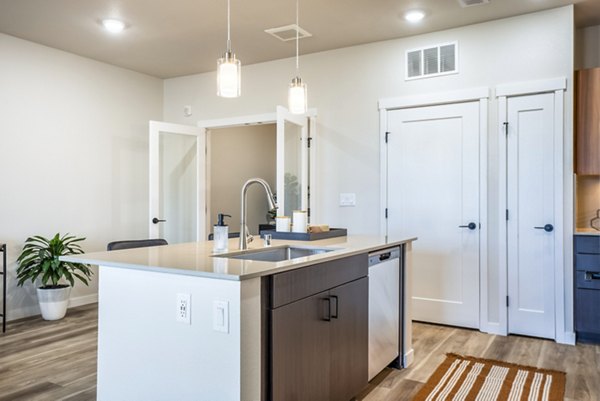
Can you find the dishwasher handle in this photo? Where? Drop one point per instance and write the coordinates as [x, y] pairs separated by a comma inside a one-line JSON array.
[[383, 255]]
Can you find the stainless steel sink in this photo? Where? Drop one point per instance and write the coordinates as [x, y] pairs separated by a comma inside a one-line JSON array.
[[275, 254]]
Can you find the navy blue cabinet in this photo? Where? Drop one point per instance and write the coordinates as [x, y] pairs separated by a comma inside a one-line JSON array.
[[587, 287]]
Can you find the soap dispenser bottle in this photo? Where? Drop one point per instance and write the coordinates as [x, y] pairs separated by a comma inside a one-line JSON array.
[[221, 234]]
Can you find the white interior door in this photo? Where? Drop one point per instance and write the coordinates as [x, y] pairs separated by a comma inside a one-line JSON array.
[[531, 167], [292, 162], [177, 182], [433, 193]]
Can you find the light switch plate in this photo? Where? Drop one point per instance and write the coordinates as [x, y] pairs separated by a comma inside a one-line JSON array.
[[221, 316], [347, 199]]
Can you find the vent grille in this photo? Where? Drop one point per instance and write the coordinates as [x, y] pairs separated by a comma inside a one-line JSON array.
[[470, 3], [432, 61], [288, 32], [448, 58], [413, 64]]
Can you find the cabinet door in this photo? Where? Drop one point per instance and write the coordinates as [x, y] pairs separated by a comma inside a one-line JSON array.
[[349, 339], [300, 353], [587, 122], [587, 313]]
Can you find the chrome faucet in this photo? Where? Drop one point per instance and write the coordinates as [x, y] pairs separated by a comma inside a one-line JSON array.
[[245, 236]]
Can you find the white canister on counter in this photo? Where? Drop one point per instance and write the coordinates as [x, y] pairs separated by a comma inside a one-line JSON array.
[[299, 221], [282, 224]]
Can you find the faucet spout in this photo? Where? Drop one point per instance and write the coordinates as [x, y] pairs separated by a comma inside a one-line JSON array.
[[245, 236]]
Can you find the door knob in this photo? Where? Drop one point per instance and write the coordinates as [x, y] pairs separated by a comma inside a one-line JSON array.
[[548, 228], [157, 220], [470, 226]]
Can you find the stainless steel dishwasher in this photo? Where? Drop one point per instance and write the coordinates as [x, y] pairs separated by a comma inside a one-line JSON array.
[[385, 313]]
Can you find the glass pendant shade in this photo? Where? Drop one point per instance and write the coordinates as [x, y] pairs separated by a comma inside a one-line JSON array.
[[229, 76], [297, 96]]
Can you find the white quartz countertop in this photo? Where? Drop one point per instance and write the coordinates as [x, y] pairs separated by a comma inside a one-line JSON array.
[[586, 231], [198, 259]]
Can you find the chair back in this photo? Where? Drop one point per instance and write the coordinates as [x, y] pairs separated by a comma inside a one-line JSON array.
[[135, 243]]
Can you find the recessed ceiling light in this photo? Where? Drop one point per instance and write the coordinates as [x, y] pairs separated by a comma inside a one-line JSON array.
[[414, 15], [113, 25]]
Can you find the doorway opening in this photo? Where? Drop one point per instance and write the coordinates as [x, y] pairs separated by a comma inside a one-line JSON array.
[[234, 155]]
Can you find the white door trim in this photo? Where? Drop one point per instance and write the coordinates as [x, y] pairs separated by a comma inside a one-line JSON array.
[[563, 233], [480, 94], [531, 87], [431, 99], [265, 118], [155, 128]]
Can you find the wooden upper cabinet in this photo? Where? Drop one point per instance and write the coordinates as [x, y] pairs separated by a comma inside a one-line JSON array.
[[587, 122]]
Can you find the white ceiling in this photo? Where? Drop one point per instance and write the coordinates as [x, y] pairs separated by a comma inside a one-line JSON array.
[[169, 38]]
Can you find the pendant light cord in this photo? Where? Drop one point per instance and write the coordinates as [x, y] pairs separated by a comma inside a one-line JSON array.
[[297, 40], [228, 26]]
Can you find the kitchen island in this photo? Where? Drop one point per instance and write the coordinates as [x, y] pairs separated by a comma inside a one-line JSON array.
[[178, 322]]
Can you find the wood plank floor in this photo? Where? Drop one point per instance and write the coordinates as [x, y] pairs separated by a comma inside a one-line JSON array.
[[46, 361], [49, 361], [432, 342]]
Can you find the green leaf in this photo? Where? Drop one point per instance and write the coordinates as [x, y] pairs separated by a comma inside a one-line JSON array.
[[40, 257]]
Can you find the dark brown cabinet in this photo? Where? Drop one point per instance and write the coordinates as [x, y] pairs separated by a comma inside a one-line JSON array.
[[319, 341], [587, 122], [349, 339], [300, 350]]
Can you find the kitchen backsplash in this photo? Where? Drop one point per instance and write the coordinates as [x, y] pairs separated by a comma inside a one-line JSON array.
[[588, 200]]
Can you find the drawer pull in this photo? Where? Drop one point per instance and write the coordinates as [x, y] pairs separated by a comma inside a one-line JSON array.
[[589, 276], [327, 317]]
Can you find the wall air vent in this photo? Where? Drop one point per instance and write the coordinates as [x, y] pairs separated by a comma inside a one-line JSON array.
[[432, 61], [288, 32], [470, 3]]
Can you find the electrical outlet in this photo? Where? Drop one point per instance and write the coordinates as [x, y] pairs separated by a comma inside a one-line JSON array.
[[184, 306]]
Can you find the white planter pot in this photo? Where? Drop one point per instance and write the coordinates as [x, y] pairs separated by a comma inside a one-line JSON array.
[[54, 302]]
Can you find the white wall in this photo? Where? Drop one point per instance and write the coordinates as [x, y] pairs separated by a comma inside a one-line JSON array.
[[587, 47], [345, 85], [73, 153]]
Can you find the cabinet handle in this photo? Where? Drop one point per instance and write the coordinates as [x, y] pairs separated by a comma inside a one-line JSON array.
[[156, 220], [327, 317], [589, 276], [334, 315]]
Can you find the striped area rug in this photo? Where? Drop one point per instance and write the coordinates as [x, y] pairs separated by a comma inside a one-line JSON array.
[[465, 378]]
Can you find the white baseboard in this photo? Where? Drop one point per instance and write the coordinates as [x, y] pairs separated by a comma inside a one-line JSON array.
[[20, 313], [83, 300], [33, 310], [409, 357]]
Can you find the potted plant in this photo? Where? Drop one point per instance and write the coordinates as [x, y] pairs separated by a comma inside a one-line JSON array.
[[39, 259]]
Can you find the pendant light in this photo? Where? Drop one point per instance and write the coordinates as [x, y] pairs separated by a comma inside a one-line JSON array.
[[297, 95], [229, 68]]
